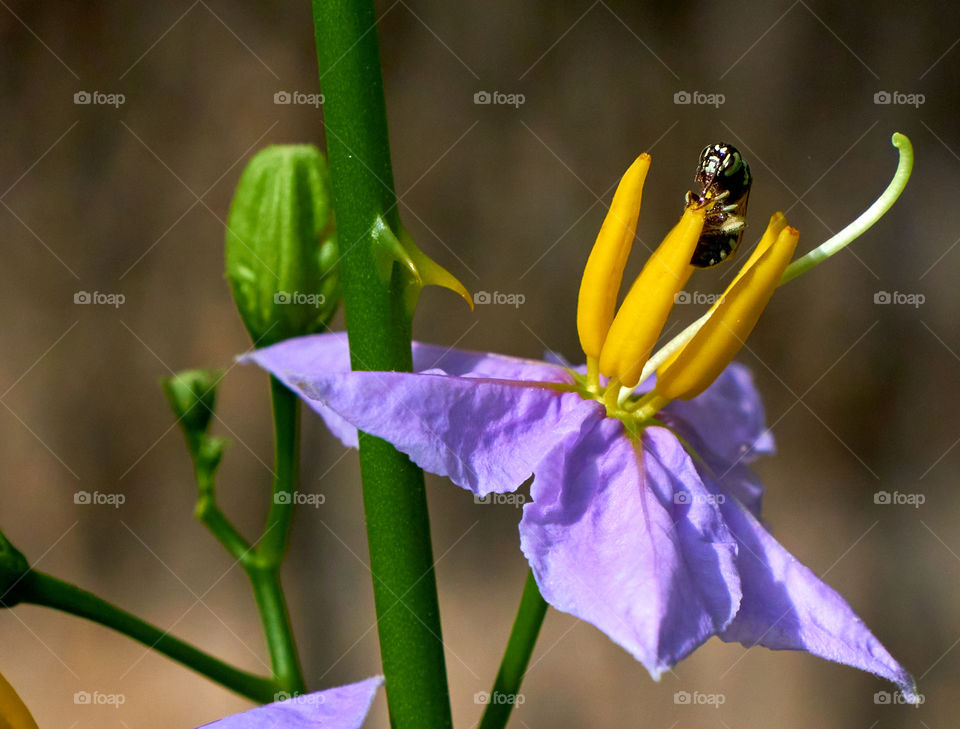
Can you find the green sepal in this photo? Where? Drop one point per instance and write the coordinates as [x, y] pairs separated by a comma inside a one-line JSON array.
[[192, 395], [420, 268]]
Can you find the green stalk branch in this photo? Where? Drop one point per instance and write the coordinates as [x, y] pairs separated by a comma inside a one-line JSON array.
[[513, 667], [38, 588]]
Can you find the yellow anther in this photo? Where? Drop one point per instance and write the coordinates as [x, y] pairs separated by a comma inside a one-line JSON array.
[[645, 309], [691, 370], [13, 713], [601, 277]]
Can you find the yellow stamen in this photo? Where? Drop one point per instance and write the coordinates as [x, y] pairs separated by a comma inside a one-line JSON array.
[[600, 285], [691, 370], [645, 309]]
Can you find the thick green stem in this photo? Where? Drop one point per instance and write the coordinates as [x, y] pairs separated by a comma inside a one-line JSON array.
[[513, 667], [42, 589], [378, 326]]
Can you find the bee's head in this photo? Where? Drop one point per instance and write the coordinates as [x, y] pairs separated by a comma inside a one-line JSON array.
[[722, 168]]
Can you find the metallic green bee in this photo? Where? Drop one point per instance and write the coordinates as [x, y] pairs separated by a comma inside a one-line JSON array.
[[723, 178]]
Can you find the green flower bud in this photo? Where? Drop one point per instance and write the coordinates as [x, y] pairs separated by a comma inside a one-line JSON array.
[[192, 395], [281, 251], [13, 566]]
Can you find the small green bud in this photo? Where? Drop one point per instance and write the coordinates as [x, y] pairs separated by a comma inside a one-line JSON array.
[[13, 566], [281, 251], [192, 395]]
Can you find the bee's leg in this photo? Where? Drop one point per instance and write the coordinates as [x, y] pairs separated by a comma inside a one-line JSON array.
[[733, 224]]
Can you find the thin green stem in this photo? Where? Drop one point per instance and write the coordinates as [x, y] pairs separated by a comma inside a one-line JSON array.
[[41, 589], [264, 566], [286, 463], [378, 327], [513, 667]]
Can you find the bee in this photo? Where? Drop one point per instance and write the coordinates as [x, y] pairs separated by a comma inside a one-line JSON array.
[[723, 179]]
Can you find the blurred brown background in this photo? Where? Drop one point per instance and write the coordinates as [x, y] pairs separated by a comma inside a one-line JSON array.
[[862, 395]]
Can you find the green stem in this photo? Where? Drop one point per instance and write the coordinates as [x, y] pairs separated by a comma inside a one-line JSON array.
[[42, 589], [523, 637], [286, 462], [378, 326], [264, 566]]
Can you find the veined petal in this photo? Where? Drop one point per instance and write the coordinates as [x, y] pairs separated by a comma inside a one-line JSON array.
[[787, 607], [626, 537], [728, 417], [486, 435], [344, 707], [726, 426], [297, 360]]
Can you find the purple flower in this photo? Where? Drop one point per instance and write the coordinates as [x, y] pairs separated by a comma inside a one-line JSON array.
[[644, 513], [344, 707]]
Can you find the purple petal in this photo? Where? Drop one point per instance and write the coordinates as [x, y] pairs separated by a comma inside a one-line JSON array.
[[485, 435], [728, 416], [628, 539], [726, 427], [300, 360], [787, 607], [344, 707]]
